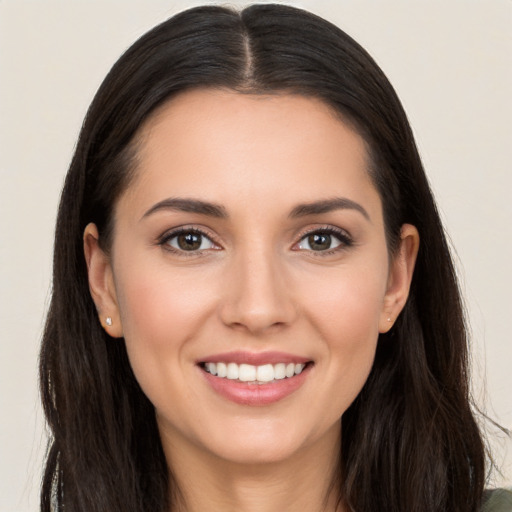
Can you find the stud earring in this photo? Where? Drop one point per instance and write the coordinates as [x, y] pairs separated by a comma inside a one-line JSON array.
[[108, 321], [389, 319]]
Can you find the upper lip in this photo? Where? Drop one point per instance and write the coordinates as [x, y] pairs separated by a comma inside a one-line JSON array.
[[254, 358]]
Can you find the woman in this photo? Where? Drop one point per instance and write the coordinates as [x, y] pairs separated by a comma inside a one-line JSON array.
[[254, 306]]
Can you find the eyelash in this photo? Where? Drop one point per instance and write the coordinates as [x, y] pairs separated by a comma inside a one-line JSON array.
[[343, 237], [164, 240]]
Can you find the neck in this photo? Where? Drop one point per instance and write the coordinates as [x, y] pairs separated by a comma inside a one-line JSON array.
[[304, 481]]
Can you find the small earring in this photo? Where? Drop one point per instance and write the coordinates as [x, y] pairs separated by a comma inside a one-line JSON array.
[[108, 321], [389, 319]]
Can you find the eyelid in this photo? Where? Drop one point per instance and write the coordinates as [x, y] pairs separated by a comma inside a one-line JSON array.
[[341, 234], [163, 239]]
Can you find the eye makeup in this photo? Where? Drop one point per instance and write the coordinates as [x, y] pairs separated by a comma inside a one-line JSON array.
[[194, 241]]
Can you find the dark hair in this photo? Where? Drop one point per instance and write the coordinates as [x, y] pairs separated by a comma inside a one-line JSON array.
[[409, 440]]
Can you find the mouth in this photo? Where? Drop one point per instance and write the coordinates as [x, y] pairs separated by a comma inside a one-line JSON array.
[[252, 374], [255, 379]]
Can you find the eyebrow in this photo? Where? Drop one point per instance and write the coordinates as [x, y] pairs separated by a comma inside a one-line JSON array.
[[190, 206], [218, 211], [326, 206]]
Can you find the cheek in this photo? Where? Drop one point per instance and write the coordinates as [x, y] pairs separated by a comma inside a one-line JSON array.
[[158, 300], [346, 315], [161, 312], [347, 304]]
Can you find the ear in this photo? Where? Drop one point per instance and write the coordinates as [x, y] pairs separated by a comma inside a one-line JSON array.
[[400, 277], [101, 282]]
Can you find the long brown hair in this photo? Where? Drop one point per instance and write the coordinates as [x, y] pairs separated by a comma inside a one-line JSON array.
[[409, 441]]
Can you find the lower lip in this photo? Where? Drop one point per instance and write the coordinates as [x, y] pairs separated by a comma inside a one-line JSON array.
[[256, 394]]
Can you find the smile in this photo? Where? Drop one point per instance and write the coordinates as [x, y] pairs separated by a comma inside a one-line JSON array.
[[251, 379], [252, 374]]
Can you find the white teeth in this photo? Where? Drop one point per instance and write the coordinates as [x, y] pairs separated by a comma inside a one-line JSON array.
[[232, 371], [212, 368], [279, 371], [265, 373], [222, 369], [256, 374], [247, 372]]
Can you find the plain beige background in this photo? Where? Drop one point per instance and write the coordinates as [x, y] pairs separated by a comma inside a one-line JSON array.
[[450, 63]]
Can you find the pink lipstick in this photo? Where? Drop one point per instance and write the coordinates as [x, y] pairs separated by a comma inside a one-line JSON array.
[[255, 379]]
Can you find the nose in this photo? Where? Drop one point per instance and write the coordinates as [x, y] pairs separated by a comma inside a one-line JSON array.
[[257, 297]]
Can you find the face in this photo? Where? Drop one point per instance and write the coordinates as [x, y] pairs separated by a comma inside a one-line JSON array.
[[249, 273]]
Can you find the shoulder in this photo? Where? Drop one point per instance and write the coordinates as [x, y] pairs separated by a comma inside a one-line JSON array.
[[497, 500]]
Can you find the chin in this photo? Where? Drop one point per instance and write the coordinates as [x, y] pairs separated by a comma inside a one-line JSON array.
[[269, 442], [248, 453]]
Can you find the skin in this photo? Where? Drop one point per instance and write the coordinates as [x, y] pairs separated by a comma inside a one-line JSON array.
[[256, 284]]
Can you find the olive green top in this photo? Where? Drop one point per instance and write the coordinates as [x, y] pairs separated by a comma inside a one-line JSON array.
[[498, 500]]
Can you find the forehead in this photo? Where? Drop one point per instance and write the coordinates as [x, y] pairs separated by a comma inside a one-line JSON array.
[[223, 145]]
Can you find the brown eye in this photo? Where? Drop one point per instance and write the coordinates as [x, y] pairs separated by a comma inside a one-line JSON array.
[[319, 242], [189, 241], [323, 241]]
